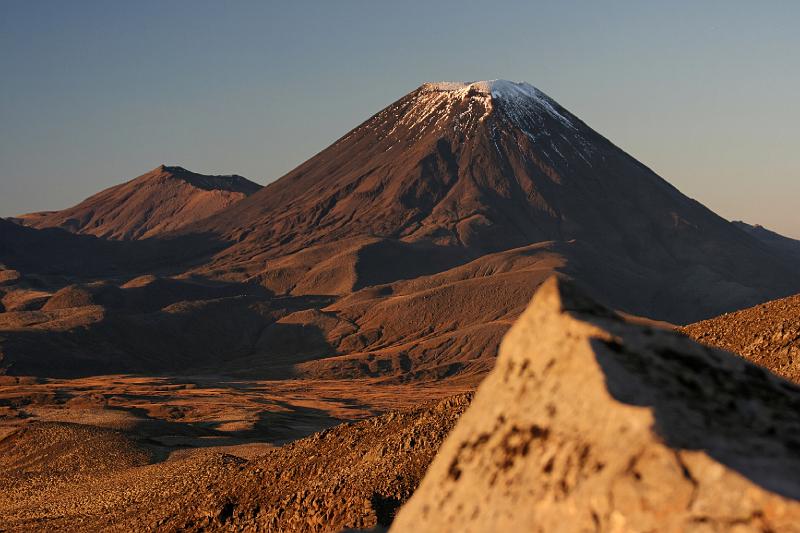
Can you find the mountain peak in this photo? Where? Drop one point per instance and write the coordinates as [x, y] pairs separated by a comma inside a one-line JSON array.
[[518, 99], [173, 169], [223, 182], [485, 87], [161, 200]]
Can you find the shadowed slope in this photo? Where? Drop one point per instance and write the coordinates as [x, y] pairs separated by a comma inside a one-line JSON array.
[[779, 243], [57, 253]]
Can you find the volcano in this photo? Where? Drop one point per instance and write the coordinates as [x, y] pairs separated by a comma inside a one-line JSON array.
[[161, 200], [456, 172]]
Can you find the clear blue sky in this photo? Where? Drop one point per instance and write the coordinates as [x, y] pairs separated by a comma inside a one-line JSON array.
[[95, 93]]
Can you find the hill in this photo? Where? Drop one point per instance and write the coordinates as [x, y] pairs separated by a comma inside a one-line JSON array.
[[164, 199]]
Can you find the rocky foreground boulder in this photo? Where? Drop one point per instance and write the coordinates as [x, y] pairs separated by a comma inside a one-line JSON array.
[[590, 423]]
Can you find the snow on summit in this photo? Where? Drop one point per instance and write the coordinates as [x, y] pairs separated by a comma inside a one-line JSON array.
[[494, 108], [497, 88], [518, 97]]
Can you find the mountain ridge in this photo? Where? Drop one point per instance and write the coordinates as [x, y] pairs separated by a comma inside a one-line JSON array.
[[153, 203]]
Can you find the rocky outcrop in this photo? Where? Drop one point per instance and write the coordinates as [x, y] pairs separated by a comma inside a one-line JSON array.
[[351, 476], [588, 422], [73, 477], [767, 334]]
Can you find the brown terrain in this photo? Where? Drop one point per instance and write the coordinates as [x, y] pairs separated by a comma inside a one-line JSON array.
[[61, 476], [767, 334], [116, 468], [161, 200], [201, 325]]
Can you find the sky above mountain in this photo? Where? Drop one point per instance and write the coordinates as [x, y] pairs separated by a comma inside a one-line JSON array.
[[94, 93]]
